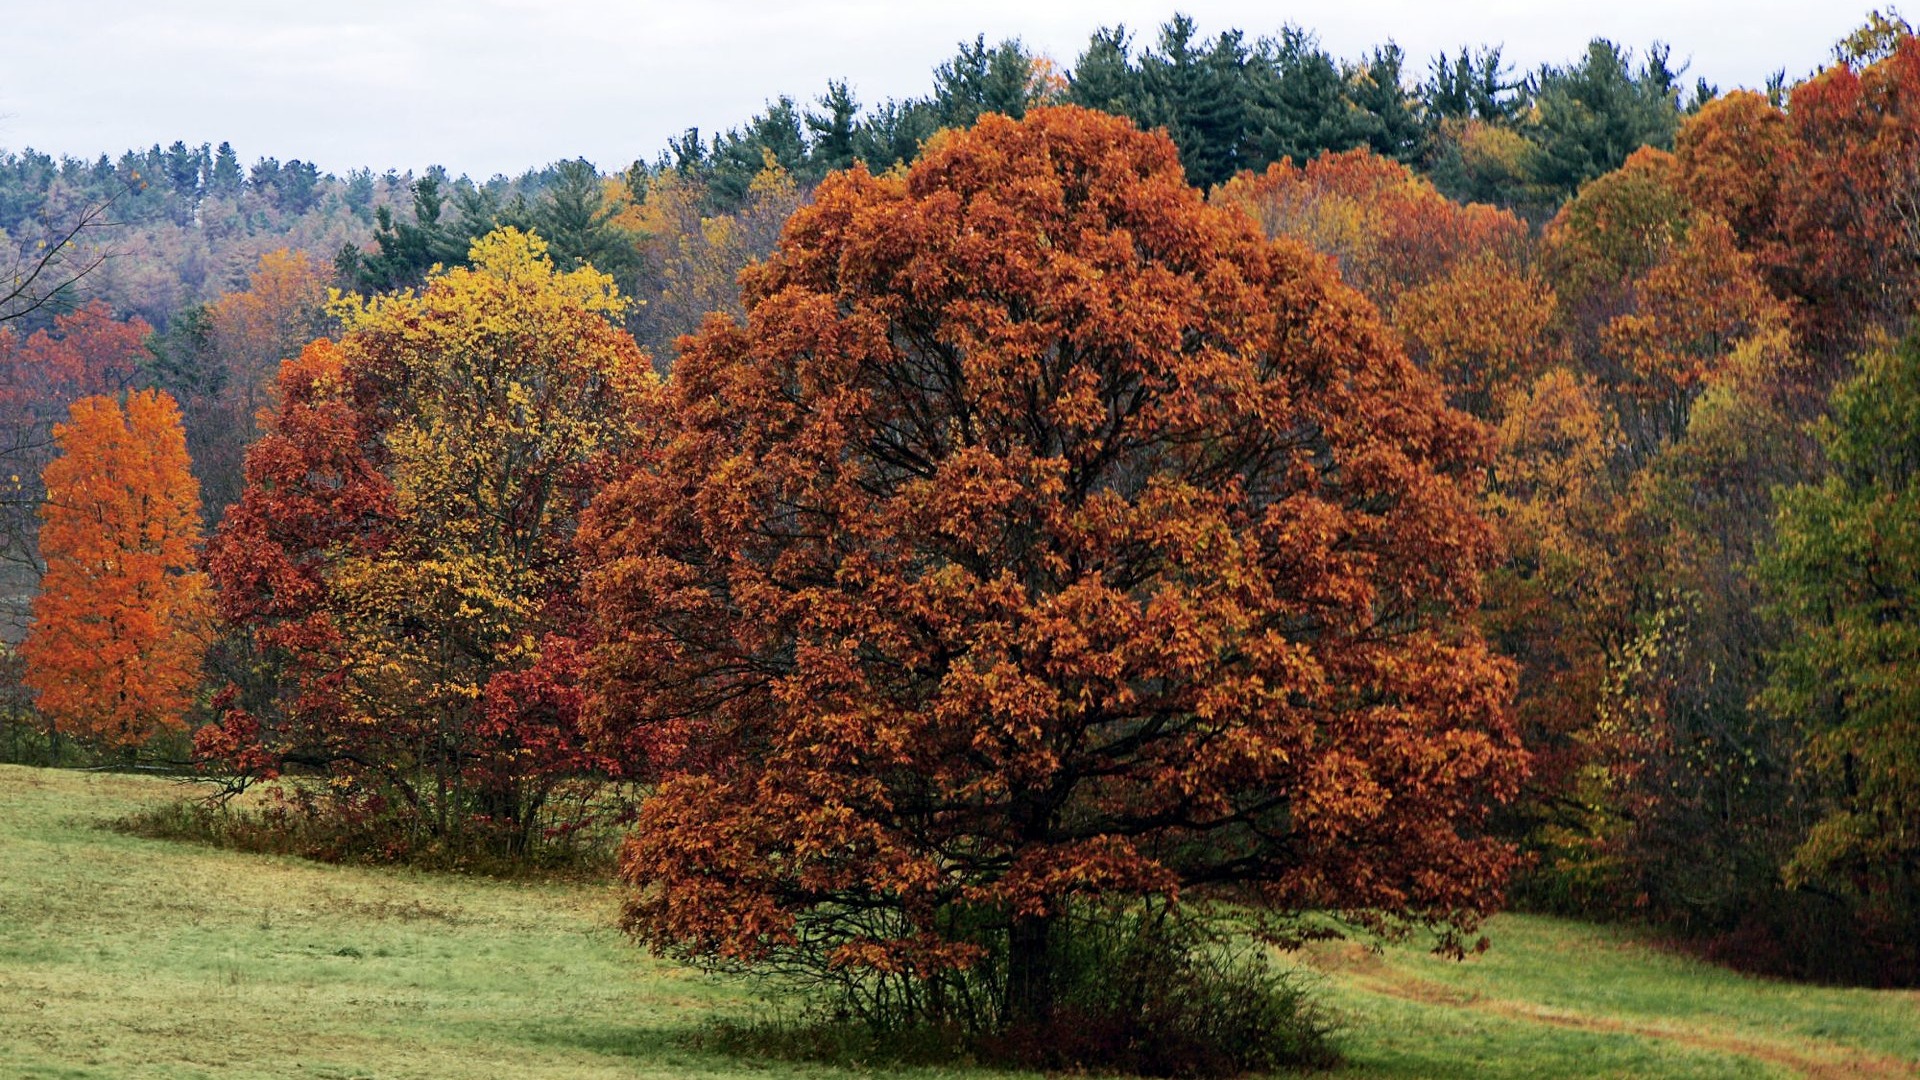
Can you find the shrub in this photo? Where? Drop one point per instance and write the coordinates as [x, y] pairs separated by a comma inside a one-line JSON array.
[[1151, 991], [578, 830]]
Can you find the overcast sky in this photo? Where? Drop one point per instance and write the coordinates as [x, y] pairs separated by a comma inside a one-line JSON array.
[[499, 86]]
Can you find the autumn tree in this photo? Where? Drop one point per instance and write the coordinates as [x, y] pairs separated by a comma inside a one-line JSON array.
[[1045, 538], [1735, 157], [1656, 295], [400, 562], [1823, 193], [1845, 569], [219, 361], [120, 622], [83, 352], [1557, 603], [1456, 281], [1851, 222], [692, 259]]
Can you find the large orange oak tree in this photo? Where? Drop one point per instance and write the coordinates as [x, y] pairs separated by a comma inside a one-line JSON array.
[[1044, 537]]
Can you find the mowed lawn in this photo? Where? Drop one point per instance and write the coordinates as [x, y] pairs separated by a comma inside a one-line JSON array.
[[122, 957]]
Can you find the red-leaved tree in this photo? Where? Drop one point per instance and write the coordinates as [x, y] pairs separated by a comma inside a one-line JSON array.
[[1824, 193], [84, 352]]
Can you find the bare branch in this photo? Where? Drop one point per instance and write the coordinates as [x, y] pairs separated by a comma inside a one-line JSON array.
[[46, 268]]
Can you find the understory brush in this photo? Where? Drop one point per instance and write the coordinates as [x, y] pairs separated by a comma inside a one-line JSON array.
[[577, 834], [1144, 992]]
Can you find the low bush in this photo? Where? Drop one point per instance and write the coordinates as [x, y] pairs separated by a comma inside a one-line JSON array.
[[1157, 993], [1153, 992], [291, 818]]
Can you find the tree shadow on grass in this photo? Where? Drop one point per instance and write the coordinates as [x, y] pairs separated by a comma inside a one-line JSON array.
[[658, 1043], [725, 1045]]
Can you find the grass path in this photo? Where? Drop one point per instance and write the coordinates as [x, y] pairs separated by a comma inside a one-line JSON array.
[[1797, 1054], [1561, 998], [122, 957]]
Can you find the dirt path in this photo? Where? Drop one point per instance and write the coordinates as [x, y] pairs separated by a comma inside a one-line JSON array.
[[1820, 1059]]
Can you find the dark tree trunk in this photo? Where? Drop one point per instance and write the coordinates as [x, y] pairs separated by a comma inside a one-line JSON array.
[[1029, 970]]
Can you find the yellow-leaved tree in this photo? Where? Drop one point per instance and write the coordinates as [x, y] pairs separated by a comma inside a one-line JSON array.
[[401, 560]]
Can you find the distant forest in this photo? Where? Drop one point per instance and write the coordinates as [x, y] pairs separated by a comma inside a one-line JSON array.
[[197, 218], [195, 222]]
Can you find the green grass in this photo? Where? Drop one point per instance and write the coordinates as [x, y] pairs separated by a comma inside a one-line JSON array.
[[1602, 1001], [123, 957]]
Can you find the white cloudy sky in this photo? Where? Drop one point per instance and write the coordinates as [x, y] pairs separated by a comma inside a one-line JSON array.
[[486, 86]]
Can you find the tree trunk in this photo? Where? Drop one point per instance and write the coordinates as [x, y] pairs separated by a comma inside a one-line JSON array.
[[1029, 970]]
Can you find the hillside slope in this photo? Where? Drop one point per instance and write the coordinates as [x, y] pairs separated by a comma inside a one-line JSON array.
[[122, 957]]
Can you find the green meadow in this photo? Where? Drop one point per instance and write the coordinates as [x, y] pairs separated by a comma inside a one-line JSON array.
[[126, 957]]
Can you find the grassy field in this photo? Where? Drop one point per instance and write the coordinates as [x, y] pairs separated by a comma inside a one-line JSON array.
[[122, 957]]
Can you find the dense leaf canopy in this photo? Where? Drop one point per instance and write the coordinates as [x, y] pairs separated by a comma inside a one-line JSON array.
[[1045, 534]]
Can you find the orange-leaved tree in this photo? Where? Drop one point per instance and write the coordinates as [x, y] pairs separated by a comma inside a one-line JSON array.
[[1823, 193], [120, 623], [1455, 281], [85, 351], [249, 333], [1046, 538]]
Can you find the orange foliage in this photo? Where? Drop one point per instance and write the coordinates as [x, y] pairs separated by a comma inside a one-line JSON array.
[[1045, 533], [1691, 308], [1453, 279], [1734, 156], [1047, 81], [1388, 228], [1657, 293], [249, 333], [1619, 226], [1824, 195], [1559, 603], [254, 329], [1481, 327], [87, 351], [120, 622]]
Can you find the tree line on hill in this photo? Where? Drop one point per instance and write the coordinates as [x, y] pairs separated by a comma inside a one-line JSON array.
[[1232, 102], [196, 225]]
